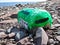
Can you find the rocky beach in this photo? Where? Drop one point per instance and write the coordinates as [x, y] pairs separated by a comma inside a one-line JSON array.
[[8, 18]]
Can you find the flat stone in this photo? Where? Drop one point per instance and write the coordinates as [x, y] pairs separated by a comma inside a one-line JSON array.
[[58, 38], [56, 25], [44, 37]]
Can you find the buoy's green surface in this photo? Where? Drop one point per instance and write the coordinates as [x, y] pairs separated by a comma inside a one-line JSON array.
[[35, 17]]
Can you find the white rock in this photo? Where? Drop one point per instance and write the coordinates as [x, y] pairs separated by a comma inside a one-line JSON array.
[[58, 38], [51, 41], [44, 37], [56, 25]]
